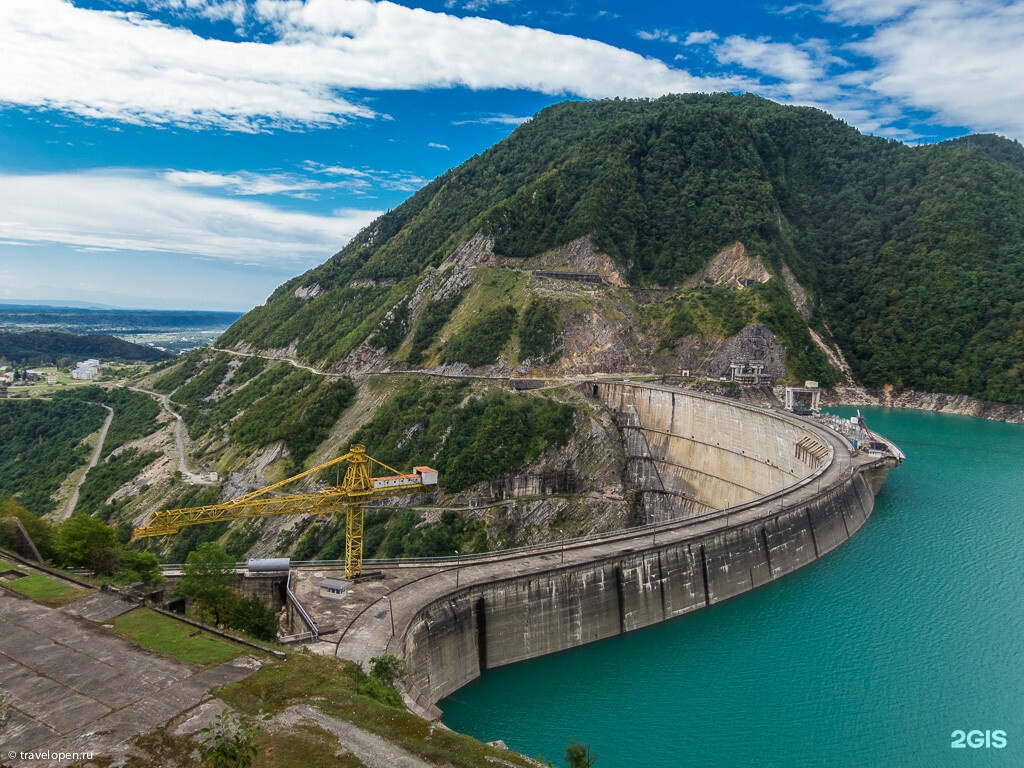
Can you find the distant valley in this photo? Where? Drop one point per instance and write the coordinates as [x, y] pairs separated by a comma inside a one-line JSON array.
[[173, 331]]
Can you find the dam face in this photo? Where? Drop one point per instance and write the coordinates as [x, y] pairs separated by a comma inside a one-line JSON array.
[[749, 495], [706, 453]]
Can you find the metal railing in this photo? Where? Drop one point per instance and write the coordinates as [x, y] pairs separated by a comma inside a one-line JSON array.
[[314, 631]]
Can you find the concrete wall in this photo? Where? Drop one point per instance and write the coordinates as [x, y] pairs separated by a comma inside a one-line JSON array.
[[270, 588], [724, 452], [454, 639], [715, 452]]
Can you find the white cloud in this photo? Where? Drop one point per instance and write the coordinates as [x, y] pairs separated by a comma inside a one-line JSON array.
[[475, 5], [126, 211], [215, 10], [249, 183], [384, 45], [365, 179], [502, 119], [435, 145], [868, 11], [128, 67], [780, 60], [334, 170], [960, 60], [658, 34], [700, 38]]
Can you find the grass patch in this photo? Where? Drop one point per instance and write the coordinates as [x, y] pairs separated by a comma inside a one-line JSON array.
[[174, 638], [43, 590], [304, 744], [330, 685]]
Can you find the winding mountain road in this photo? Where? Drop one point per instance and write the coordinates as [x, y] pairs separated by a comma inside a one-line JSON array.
[[97, 452], [180, 437]]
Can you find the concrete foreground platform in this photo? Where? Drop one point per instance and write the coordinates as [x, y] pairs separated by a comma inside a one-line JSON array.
[[75, 688]]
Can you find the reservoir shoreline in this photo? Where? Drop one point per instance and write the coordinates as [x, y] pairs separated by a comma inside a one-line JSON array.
[[890, 397]]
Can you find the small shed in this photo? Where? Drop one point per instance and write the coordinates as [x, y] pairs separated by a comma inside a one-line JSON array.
[[428, 474], [334, 589]]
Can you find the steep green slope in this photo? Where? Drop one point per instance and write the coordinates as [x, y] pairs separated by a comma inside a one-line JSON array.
[[912, 257], [41, 443]]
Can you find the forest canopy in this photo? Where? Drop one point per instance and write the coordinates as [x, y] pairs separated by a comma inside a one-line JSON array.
[[913, 256]]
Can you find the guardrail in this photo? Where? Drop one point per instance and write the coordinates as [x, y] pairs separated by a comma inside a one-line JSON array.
[[314, 631]]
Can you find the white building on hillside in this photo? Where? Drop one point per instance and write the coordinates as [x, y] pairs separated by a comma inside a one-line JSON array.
[[87, 370]]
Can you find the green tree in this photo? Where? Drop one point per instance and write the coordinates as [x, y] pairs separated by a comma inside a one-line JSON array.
[[85, 542], [385, 671], [387, 668], [252, 616], [579, 755], [139, 566], [208, 579]]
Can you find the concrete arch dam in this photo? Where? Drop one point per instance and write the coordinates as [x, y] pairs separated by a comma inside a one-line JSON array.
[[754, 494]]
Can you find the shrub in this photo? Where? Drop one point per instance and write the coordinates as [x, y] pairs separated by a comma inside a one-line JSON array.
[[138, 566]]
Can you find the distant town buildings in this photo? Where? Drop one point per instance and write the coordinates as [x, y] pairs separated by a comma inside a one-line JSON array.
[[87, 370]]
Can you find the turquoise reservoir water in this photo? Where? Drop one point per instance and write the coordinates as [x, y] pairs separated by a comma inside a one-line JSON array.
[[872, 656]]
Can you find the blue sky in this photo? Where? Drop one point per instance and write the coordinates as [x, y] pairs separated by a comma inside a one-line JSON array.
[[198, 153]]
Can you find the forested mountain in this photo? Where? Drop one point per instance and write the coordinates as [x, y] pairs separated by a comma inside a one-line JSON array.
[[46, 347], [686, 233], [910, 260]]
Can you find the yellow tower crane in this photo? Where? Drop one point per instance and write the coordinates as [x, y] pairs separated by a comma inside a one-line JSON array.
[[357, 489]]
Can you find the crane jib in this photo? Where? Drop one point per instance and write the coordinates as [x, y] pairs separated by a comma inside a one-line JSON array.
[[357, 489]]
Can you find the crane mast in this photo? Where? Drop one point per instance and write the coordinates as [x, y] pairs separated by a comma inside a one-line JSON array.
[[358, 488]]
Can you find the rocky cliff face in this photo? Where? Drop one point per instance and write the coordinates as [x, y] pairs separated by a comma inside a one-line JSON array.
[[889, 397], [604, 324], [753, 343]]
